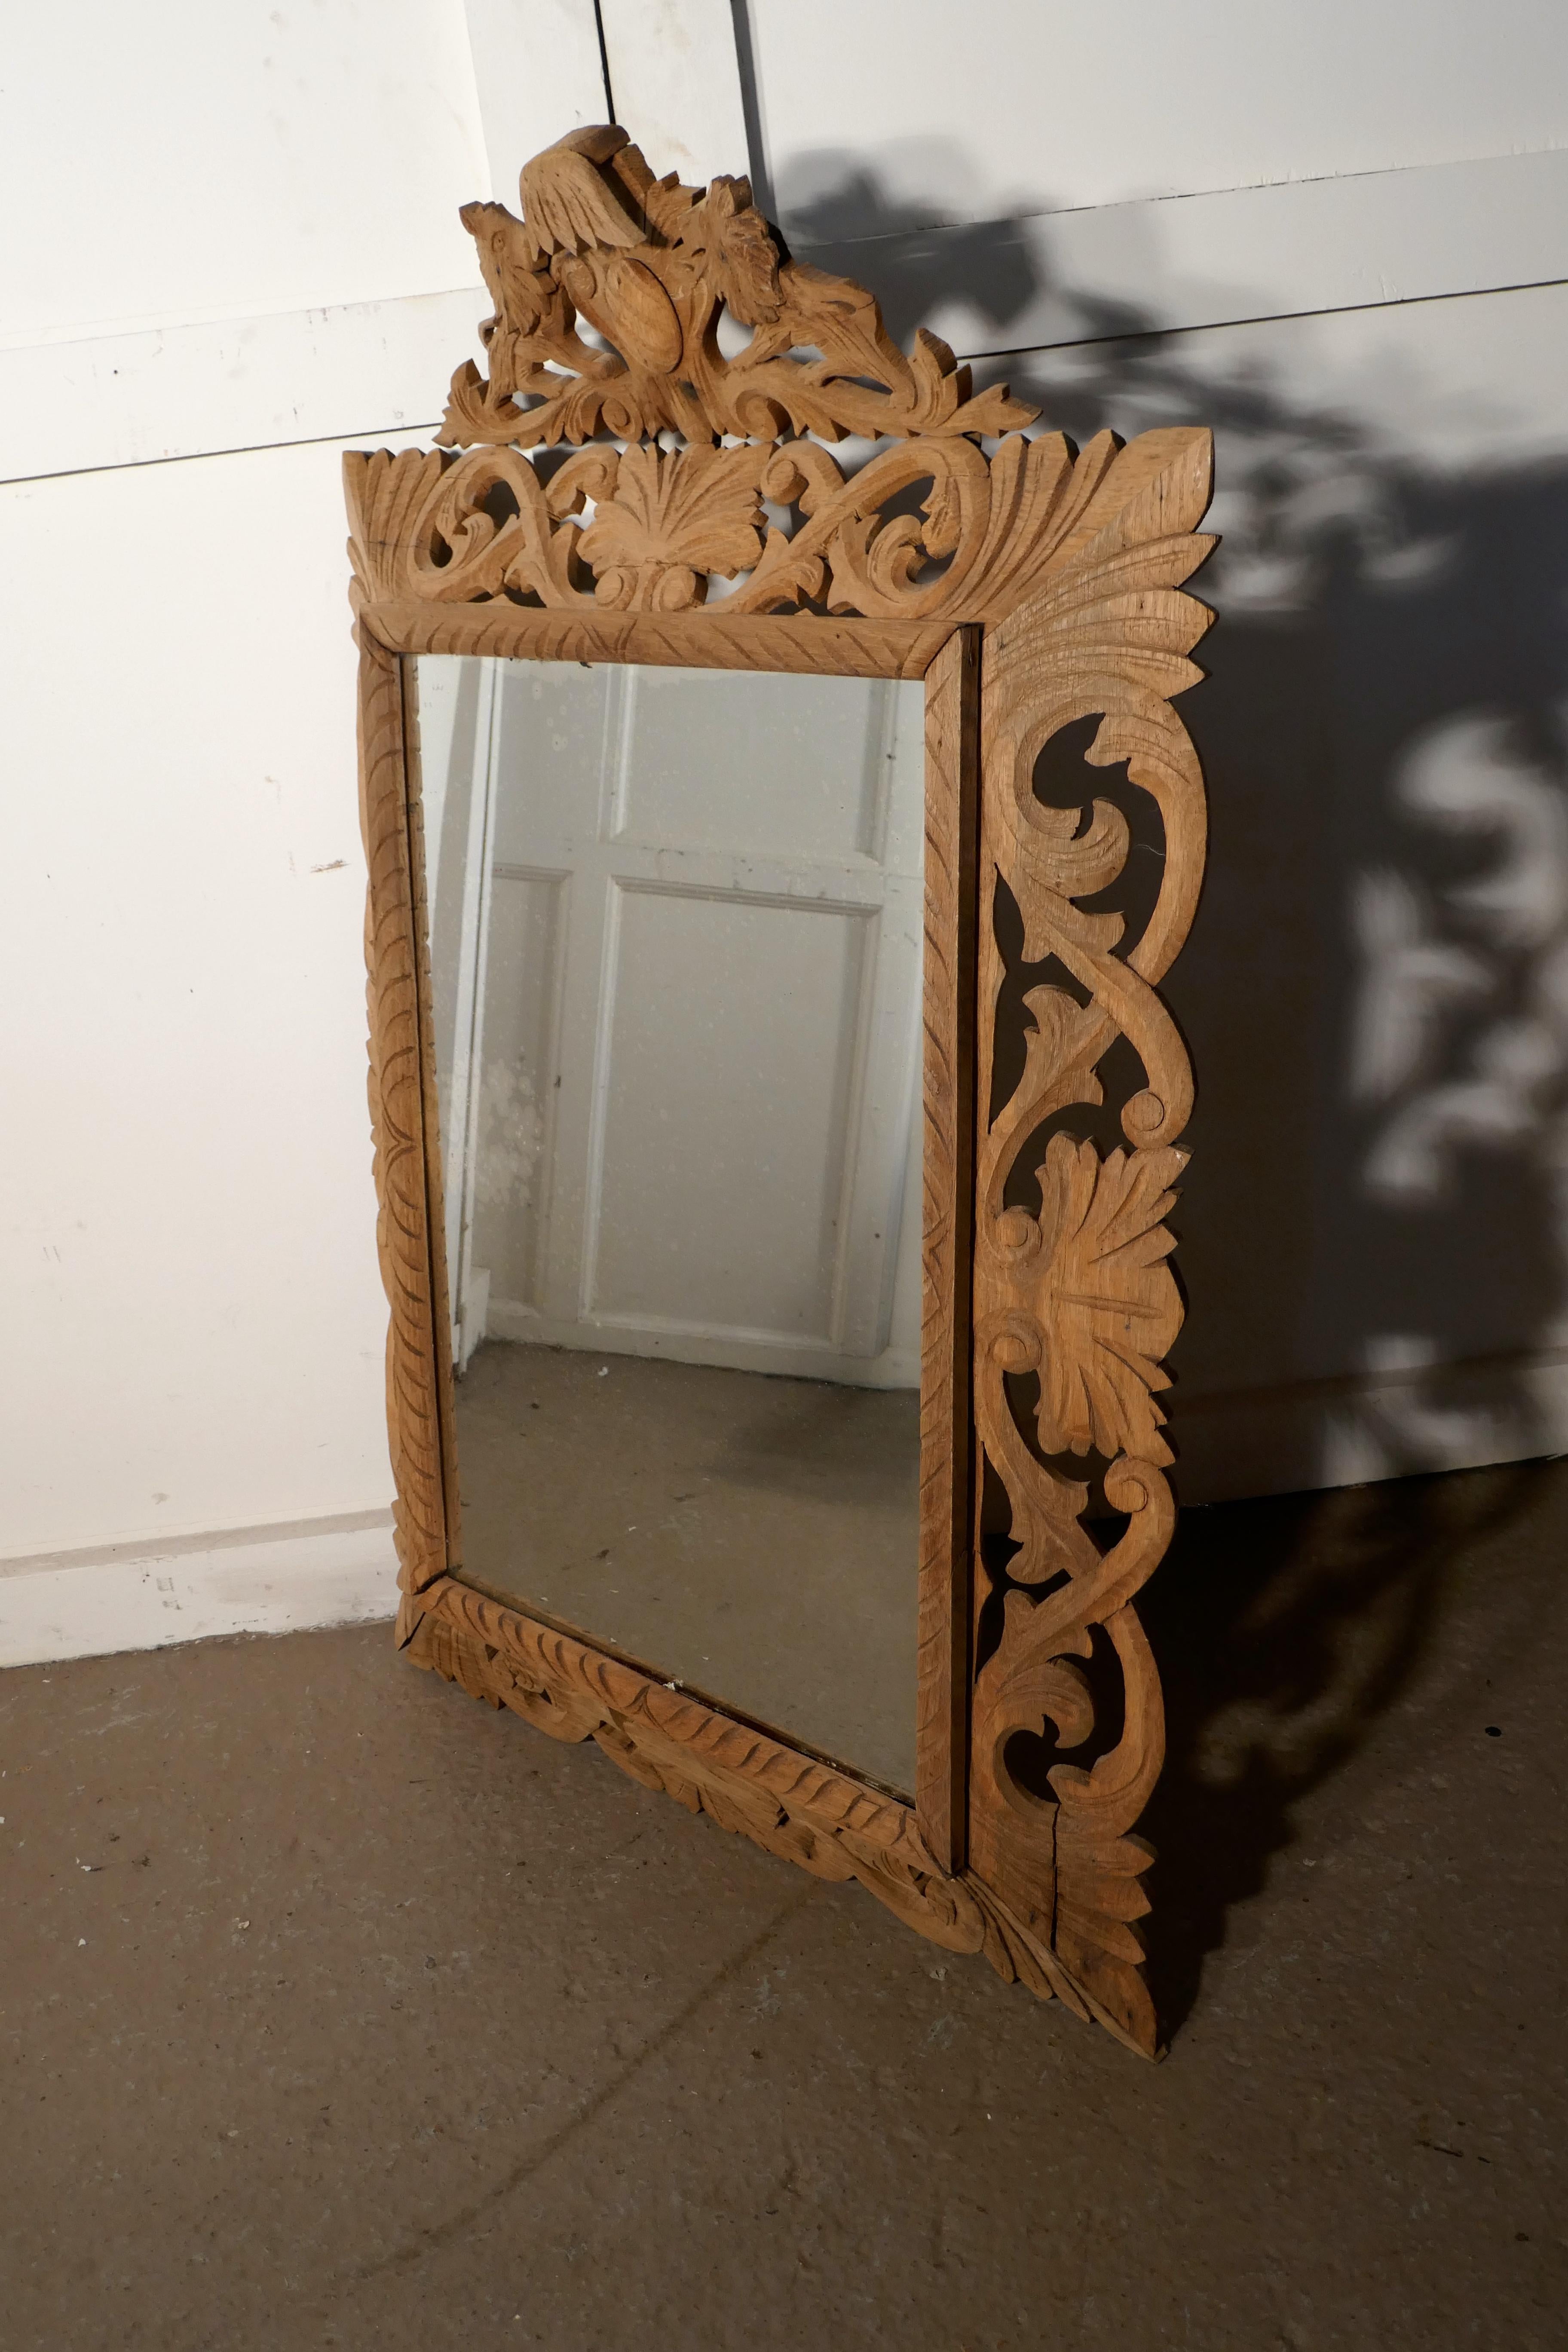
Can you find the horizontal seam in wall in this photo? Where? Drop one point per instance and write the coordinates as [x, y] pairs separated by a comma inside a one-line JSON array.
[[1174, 197], [1330, 1385], [192, 456], [1269, 318], [120, 331], [1010, 352], [155, 1548]]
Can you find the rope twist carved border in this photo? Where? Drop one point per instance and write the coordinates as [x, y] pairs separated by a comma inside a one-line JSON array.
[[397, 1115]]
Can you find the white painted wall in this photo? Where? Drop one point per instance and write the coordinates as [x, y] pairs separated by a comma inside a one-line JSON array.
[[181, 899], [179, 161], [1374, 1228], [237, 235], [1042, 105]]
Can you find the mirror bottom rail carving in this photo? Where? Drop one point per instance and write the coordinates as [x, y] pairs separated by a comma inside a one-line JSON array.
[[791, 1805]]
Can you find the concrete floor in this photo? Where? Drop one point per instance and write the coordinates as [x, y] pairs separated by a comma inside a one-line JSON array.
[[756, 1538], [341, 2012]]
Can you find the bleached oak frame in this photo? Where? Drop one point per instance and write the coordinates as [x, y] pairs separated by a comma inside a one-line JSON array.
[[1029, 587]]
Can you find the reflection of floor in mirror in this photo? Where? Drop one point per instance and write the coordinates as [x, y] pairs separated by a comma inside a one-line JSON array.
[[755, 1538]]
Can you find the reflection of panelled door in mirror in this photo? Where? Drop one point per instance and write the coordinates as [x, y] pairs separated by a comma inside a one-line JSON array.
[[776, 1115], [675, 921]]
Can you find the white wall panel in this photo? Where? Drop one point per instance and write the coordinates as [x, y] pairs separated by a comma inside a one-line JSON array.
[[677, 85], [238, 225], [1246, 253], [538, 72], [943, 114], [359, 369], [262, 1581], [191, 161], [1373, 1228], [189, 1263]]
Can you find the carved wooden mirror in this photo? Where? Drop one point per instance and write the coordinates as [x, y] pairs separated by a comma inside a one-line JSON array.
[[775, 1332]]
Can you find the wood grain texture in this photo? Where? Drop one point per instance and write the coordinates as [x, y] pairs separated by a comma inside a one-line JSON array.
[[928, 530], [952, 724], [711, 640], [1073, 1295], [1048, 1303], [397, 1100], [647, 529], [794, 1806], [434, 1175], [653, 266]]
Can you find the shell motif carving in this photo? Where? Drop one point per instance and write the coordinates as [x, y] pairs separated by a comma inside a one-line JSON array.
[[646, 528], [651, 267], [1076, 1295]]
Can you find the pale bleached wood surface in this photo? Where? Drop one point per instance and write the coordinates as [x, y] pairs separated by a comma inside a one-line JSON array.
[[434, 1173], [1077, 1293], [398, 1111], [1073, 564], [953, 745]]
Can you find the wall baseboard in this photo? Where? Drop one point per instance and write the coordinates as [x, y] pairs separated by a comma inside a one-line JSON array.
[[343, 1570], [333, 1573], [1394, 1423], [777, 1354]]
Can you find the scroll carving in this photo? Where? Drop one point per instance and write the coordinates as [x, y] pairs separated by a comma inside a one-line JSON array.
[[1073, 1295], [647, 529], [653, 267], [642, 475], [396, 1114], [790, 1804]]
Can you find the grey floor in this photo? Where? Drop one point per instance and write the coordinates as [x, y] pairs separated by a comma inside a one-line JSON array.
[[755, 1538], [341, 2012]]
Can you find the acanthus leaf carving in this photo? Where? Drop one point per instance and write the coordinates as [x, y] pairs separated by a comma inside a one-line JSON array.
[[646, 528], [674, 518], [740, 1779], [651, 265], [1108, 1297], [396, 1110], [1080, 1296]]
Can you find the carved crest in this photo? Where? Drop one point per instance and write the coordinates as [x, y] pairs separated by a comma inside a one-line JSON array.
[[654, 268], [665, 279]]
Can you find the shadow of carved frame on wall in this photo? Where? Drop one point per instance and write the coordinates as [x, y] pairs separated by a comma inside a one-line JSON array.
[[1029, 586]]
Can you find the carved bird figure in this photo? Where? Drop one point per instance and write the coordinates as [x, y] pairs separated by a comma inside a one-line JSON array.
[[570, 205], [509, 264], [586, 215]]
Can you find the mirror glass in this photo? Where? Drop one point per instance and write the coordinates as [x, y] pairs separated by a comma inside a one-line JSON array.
[[676, 922]]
